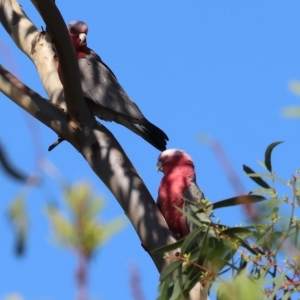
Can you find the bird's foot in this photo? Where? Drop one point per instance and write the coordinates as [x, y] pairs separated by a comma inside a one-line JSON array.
[[59, 140]]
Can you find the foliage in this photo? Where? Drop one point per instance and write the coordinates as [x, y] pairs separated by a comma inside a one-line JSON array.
[[19, 220], [13, 297], [293, 111], [82, 231], [263, 257]]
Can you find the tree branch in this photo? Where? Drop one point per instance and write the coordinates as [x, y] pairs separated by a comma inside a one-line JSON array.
[[68, 60], [24, 32], [98, 146]]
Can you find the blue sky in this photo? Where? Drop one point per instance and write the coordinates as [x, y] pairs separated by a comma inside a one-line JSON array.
[[214, 67]]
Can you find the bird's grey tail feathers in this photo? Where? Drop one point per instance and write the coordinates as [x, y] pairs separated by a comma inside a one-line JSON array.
[[149, 132], [152, 134]]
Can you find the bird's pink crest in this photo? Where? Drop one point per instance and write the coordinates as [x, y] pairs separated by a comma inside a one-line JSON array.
[[78, 31], [171, 158], [172, 152], [76, 27]]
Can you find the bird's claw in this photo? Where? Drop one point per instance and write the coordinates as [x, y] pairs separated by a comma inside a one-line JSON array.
[[59, 140]]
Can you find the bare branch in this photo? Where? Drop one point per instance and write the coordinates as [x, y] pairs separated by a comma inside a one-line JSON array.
[[68, 60], [14, 172], [97, 145], [23, 32], [106, 158], [37, 106]]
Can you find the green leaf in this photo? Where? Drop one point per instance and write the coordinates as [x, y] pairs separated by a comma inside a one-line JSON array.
[[237, 201], [192, 278], [262, 164], [191, 239], [177, 291], [287, 295], [165, 289], [242, 287], [167, 271], [263, 191], [13, 297], [257, 180], [244, 244], [294, 86], [291, 112], [268, 176], [268, 155], [168, 248], [19, 220], [62, 227], [239, 231], [278, 282]]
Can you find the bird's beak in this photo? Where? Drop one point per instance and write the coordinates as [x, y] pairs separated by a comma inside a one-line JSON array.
[[159, 166], [82, 38]]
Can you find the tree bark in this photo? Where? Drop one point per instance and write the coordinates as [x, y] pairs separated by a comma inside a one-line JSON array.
[[69, 117], [96, 144]]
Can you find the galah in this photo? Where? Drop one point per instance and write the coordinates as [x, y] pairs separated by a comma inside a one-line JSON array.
[[178, 187], [104, 95]]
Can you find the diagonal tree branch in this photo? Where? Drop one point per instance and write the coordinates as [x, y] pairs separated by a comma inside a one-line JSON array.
[[98, 146], [24, 32], [66, 53], [37, 106]]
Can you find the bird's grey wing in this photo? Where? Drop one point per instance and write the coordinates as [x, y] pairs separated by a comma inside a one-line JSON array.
[[97, 57], [192, 197], [100, 85]]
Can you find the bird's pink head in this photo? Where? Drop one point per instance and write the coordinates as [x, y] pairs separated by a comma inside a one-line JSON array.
[[170, 159], [78, 31]]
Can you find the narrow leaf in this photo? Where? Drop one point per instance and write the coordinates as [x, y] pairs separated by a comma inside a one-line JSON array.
[[177, 291], [286, 295], [268, 176], [263, 191], [237, 201], [192, 218], [240, 231], [14, 172], [167, 271], [257, 180], [291, 112], [268, 155], [262, 164], [168, 248], [278, 281], [190, 240], [294, 87]]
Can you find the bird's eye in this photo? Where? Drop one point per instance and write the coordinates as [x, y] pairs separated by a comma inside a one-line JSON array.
[[72, 30]]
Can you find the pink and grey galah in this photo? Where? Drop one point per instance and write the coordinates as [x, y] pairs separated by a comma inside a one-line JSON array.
[[104, 96], [178, 187]]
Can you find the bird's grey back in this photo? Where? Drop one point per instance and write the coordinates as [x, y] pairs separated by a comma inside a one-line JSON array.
[[101, 86], [192, 196]]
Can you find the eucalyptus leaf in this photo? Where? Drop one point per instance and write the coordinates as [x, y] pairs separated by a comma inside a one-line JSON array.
[[263, 191], [268, 176], [257, 180], [241, 232], [287, 295], [168, 271], [291, 112], [168, 248], [268, 154], [177, 291], [237, 201], [262, 164], [191, 239], [278, 281]]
